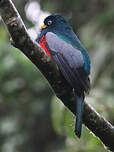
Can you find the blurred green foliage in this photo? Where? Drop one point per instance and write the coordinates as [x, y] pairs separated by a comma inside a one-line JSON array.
[[31, 117], [24, 101]]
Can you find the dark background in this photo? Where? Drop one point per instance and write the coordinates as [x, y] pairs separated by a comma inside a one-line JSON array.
[[32, 119]]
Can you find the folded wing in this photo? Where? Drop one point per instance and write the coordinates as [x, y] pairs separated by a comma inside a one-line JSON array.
[[70, 62]]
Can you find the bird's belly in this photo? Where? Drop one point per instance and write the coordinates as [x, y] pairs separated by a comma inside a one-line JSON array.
[[43, 45]]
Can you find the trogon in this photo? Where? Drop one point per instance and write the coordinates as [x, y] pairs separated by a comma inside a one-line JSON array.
[[63, 46]]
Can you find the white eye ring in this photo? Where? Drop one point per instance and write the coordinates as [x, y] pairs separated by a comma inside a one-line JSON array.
[[49, 22]]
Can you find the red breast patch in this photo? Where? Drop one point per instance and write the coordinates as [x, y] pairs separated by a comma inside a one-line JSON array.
[[43, 45]]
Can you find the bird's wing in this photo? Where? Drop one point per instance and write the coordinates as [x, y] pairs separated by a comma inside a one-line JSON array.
[[70, 62]]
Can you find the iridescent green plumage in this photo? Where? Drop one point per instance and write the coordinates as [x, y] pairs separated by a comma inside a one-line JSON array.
[[71, 57]]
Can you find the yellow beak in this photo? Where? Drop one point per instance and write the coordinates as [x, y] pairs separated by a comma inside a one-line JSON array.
[[43, 26]]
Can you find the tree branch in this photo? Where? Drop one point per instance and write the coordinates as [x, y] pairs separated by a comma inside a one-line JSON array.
[[21, 40]]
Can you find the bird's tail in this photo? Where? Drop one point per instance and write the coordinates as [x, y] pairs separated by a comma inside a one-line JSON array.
[[79, 114]]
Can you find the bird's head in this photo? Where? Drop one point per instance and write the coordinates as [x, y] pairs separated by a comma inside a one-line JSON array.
[[54, 21]]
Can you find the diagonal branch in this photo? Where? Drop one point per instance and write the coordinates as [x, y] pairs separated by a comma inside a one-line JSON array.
[[21, 40]]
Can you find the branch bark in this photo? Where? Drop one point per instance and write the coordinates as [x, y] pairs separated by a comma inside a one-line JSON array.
[[21, 40]]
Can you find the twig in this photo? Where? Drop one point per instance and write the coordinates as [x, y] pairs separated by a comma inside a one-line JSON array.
[[20, 38]]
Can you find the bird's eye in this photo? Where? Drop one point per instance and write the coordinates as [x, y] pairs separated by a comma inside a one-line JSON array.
[[49, 22]]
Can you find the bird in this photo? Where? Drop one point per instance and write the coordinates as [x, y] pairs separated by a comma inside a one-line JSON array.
[[61, 44]]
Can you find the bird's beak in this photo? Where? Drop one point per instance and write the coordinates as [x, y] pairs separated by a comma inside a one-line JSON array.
[[43, 26]]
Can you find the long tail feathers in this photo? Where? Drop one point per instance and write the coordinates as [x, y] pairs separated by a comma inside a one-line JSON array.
[[79, 114]]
